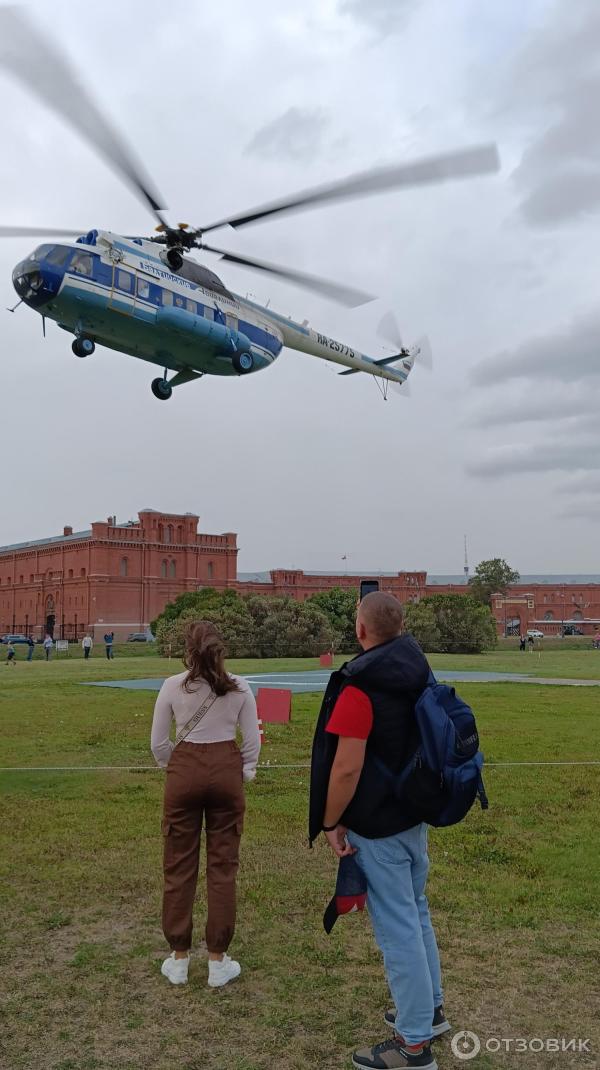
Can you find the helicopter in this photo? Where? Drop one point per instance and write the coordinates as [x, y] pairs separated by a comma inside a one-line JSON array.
[[146, 296]]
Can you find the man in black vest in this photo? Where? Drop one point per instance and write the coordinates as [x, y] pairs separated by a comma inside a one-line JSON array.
[[367, 718]]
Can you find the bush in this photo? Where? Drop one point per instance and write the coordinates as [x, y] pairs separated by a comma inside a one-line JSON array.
[[339, 606], [252, 627], [451, 624]]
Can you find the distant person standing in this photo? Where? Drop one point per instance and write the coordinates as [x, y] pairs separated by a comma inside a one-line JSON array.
[[522, 642], [31, 646], [87, 644], [530, 643], [48, 646], [11, 657], [108, 644], [597, 641]]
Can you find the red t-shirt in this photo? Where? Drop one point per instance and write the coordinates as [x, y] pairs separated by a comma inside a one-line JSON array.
[[352, 714]]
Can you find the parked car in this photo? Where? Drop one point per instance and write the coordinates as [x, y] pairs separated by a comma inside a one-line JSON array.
[[140, 637], [535, 633], [14, 639], [570, 629]]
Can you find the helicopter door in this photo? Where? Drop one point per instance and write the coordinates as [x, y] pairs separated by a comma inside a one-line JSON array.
[[123, 290]]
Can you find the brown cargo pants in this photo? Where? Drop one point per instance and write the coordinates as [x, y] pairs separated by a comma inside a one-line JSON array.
[[204, 783]]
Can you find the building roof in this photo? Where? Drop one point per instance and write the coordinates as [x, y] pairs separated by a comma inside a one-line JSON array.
[[53, 539]]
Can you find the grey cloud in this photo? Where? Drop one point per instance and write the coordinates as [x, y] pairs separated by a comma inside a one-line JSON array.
[[582, 484], [296, 135], [569, 456], [529, 409], [384, 16], [567, 353], [557, 77]]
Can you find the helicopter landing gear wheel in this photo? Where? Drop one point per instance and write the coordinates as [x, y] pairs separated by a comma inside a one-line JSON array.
[[161, 389], [243, 363], [83, 347]]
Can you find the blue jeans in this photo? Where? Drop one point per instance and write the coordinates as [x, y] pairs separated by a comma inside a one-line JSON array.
[[395, 869]]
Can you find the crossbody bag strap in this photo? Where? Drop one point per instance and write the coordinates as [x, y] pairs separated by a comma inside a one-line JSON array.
[[196, 718]]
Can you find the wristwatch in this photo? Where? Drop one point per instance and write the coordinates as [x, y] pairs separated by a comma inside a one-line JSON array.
[[330, 828]]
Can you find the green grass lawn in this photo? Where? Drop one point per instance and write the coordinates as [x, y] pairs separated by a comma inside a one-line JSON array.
[[514, 891]]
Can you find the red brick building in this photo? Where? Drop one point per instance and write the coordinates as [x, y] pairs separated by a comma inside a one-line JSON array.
[[114, 577], [119, 577]]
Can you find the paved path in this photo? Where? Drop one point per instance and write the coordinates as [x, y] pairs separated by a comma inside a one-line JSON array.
[[303, 682]]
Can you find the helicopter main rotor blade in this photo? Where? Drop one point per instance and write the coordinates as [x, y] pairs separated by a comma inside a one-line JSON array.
[[41, 68], [39, 232], [344, 295], [479, 160]]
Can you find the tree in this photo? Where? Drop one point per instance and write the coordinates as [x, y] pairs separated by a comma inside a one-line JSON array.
[[421, 621], [492, 577], [339, 606], [290, 628], [252, 627], [452, 624]]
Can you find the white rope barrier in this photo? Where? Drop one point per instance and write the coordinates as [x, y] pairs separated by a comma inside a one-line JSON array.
[[263, 766]]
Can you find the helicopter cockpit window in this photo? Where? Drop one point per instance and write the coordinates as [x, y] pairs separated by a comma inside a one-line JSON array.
[[143, 288], [58, 255], [40, 252], [81, 264], [203, 277]]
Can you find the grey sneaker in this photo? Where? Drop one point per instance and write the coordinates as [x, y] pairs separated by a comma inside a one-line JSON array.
[[395, 1055], [440, 1023]]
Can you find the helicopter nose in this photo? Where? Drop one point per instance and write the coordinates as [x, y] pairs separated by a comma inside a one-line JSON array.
[[28, 281]]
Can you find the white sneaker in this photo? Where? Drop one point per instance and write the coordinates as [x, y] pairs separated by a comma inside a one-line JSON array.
[[176, 969], [220, 973]]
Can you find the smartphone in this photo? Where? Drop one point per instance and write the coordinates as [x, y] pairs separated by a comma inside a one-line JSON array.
[[367, 587]]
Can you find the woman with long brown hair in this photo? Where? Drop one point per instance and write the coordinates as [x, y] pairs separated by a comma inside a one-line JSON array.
[[205, 774]]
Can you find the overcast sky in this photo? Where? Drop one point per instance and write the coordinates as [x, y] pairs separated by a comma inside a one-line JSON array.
[[232, 104]]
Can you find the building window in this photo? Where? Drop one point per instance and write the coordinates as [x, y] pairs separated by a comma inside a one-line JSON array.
[[31, 578], [172, 570], [578, 615], [163, 570], [169, 536], [498, 604], [123, 566], [70, 573], [179, 533], [82, 572], [20, 579], [209, 570], [549, 615]]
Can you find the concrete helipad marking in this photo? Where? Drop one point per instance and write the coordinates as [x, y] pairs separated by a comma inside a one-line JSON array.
[[304, 682]]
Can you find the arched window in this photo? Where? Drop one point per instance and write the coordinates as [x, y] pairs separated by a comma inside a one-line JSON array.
[[179, 533], [172, 570], [20, 579], [82, 572], [163, 570], [209, 570], [578, 615], [70, 573], [161, 533], [169, 537], [123, 566], [549, 615]]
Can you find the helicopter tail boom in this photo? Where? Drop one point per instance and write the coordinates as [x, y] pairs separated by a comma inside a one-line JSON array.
[[396, 368]]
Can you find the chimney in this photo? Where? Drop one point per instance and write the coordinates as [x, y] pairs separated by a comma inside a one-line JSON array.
[[67, 530]]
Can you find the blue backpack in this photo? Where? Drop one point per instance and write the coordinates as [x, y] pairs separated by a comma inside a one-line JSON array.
[[442, 779]]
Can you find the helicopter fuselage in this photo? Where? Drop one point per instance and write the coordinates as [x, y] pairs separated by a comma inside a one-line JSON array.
[[119, 293]]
